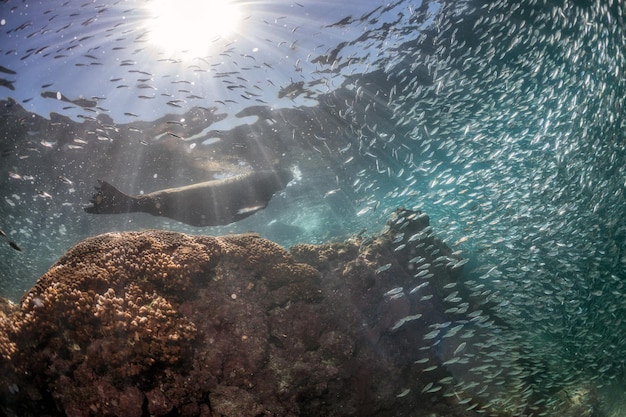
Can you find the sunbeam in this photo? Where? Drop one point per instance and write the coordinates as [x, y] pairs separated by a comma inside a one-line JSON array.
[[190, 27]]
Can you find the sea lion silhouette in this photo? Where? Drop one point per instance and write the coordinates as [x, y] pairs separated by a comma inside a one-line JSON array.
[[209, 203]]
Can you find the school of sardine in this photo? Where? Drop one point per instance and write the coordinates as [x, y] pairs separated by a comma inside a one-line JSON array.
[[503, 121], [509, 131]]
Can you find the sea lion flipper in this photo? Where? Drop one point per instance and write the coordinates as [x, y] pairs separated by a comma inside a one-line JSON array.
[[110, 200]]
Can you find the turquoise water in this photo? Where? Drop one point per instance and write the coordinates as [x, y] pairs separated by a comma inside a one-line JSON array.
[[505, 123]]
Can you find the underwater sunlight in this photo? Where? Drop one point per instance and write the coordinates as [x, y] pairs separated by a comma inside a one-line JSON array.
[[187, 26]]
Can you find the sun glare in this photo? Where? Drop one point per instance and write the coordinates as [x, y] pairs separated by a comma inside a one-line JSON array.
[[191, 27]]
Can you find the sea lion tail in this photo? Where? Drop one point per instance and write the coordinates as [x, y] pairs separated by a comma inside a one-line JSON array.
[[110, 200]]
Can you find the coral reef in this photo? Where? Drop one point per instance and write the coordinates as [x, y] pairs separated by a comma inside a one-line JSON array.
[[157, 323]]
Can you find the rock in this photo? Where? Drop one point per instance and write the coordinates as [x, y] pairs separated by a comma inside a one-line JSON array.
[[580, 401], [158, 323]]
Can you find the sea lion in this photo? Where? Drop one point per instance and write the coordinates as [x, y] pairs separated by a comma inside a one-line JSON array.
[[209, 203]]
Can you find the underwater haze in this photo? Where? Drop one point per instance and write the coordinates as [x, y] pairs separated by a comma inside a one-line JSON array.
[[504, 121]]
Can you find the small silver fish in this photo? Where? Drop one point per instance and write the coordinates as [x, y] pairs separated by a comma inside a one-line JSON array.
[[65, 180], [11, 243]]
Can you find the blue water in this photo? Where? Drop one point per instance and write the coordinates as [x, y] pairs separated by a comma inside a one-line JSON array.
[[505, 123]]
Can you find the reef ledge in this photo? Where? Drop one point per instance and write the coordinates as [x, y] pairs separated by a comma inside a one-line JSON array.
[[157, 323]]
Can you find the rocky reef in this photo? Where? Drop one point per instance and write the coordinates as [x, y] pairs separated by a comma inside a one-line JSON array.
[[158, 323]]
